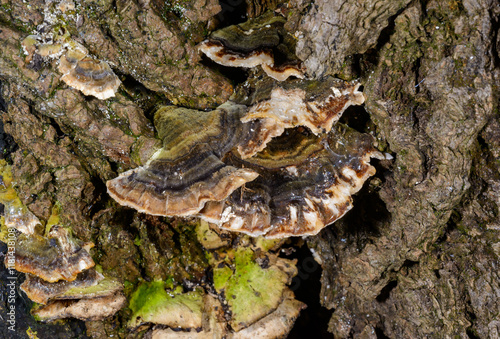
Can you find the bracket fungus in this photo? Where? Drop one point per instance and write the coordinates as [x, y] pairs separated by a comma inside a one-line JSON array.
[[152, 303], [90, 297], [90, 76], [188, 171], [289, 108], [277, 324], [252, 291], [261, 41], [40, 291], [59, 269], [83, 309], [250, 294], [305, 184], [79, 70], [223, 167], [53, 258], [277, 106]]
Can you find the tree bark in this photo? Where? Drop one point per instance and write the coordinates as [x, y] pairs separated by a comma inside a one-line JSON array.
[[418, 255]]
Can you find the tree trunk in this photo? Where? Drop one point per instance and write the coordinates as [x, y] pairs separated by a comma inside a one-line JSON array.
[[418, 255]]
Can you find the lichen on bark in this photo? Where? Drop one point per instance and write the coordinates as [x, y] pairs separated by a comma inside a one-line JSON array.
[[417, 256], [430, 84]]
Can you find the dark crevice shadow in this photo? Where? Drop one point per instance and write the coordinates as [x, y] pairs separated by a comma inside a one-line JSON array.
[[363, 63], [236, 75], [356, 117], [306, 285], [145, 98], [385, 293], [7, 144], [232, 12], [368, 214], [380, 333]]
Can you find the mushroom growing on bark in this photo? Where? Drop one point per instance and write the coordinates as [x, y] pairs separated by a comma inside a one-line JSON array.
[[222, 165], [89, 75], [261, 41], [53, 258]]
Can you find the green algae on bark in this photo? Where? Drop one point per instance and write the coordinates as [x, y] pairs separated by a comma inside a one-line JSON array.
[[16, 214], [151, 302], [250, 290]]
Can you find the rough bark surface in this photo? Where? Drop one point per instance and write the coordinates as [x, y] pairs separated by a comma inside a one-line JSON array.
[[426, 265], [419, 254], [333, 31]]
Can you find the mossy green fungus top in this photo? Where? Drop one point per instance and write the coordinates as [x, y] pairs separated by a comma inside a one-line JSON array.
[[251, 291], [151, 302]]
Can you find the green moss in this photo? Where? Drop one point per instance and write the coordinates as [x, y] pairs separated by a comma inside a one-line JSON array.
[[149, 296], [221, 277], [54, 217], [137, 241], [251, 291], [152, 302]]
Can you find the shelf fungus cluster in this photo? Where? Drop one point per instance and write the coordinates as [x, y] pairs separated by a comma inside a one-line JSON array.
[[269, 162], [61, 278], [262, 41], [60, 273]]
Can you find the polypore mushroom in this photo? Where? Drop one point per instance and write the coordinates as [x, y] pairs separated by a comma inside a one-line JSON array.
[[83, 309], [252, 291], [152, 303], [259, 41], [276, 324], [294, 107], [79, 70], [297, 184], [52, 258], [317, 105], [89, 75], [305, 183], [188, 171], [88, 284]]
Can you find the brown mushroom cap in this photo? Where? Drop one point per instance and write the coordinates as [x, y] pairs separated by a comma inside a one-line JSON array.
[[90, 76], [58, 257], [40, 291], [259, 41], [210, 165], [289, 108], [188, 171], [277, 324], [83, 309], [275, 106], [305, 183]]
